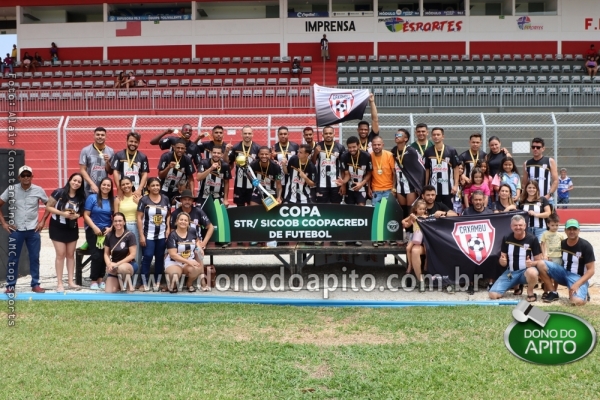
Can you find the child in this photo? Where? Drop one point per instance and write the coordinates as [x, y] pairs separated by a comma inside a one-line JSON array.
[[565, 185], [458, 197], [419, 211], [551, 243], [510, 176], [477, 183]]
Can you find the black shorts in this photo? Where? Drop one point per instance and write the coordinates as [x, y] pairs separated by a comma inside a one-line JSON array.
[[353, 197], [242, 196], [329, 195]]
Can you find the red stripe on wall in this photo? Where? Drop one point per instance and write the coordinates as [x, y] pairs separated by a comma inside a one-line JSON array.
[[133, 28], [421, 48], [335, 49], [67, 53], [237, 50], [514, 48], [179, 51], [578, 47]]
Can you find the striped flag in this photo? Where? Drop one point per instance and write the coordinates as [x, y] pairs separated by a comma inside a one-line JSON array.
[[338, 105]]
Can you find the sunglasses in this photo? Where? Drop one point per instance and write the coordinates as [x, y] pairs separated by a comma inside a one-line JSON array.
[[26, 175], [399, 135], [536, 147]]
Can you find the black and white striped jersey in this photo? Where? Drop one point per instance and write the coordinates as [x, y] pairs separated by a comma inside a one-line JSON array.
[[538, 208], [214, 183], [517, 250], [328, 164], [206, 149], [441, 168], [268, 176], [251, 153], [297, 191], [358, 166], [469, 160], [185, 245], [133, 167], [575, 258], [402, 160], [539, 171], [367, 146], [155, 216], [174, 175], [192, 149]]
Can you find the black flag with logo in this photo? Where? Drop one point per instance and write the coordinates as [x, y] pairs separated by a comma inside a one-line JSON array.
[[338, 105], [413, 168], [466, 245]]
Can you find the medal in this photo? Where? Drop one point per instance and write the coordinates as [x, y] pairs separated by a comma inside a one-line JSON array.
[[379, 171], [177, 166], [328, 151]]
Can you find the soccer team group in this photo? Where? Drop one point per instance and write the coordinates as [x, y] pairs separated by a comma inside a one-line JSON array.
[[427, 177]]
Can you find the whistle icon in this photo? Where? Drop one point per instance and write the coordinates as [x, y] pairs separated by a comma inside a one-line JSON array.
[[525, 311]]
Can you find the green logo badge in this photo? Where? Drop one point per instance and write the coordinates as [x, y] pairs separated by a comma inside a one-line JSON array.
[[548, 338]]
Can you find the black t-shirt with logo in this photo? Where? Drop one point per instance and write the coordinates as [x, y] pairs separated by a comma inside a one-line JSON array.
[[121, 250]]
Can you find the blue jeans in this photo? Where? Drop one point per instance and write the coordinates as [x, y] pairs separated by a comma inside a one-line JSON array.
[[567, 278], [156, 249], [11, 71], [132, 227], [15, 244], [537, 232], [564, 200], [503, 283], [380, 194]]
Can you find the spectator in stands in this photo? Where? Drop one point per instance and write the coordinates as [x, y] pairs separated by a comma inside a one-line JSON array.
[[441, 165], [54, 52], [495, 156], [538, 208], [542, 170], [565, 185], [173, 167], [193, 150], [519, 252], [479, 204], [119, 82], [422, 141], [14, 54], [37, 60], [127, 204], [242, 192], [94, 161], [365, 135], [591, 64], [129, 80], [505, 202], [132, 163], [296, 67], [473, 156], [325, 48], [28, 62], [8, 63], [591, 51], [66, 206], [120, 250], [579, 265], [24, 228], [153, 214], [182, 257], [99, 208]]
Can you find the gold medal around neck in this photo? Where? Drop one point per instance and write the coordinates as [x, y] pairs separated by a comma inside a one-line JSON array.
[[177, 166], [379, 171]]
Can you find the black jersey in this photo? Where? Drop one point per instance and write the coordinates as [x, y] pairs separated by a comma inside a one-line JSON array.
[[367, 146], [297, 191], [192, 149], [174, 175], [155, 216], [518, 250], [469, 160], [207, 147], [538, 208], [66, 203], [328, 164], [199, 220], [358, 167], [185, 246], [441, 168], [268, 176], [576, 257], [130, 166], [251, 153], [214, 183], [539, 171]]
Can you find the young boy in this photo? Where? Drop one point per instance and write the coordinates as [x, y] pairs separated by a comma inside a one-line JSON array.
[[565, 185], [551, 243]]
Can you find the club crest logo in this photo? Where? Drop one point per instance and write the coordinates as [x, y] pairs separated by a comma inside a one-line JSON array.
[[341, 104], [475, 239], [157, 219]]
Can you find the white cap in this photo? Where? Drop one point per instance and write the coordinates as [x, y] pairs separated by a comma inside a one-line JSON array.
[[25, 168]]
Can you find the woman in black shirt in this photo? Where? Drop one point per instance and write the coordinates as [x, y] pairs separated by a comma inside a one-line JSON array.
[[182, 246], [120, 248], [505, 201]]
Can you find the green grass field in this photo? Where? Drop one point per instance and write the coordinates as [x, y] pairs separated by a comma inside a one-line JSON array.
[[77, 350]]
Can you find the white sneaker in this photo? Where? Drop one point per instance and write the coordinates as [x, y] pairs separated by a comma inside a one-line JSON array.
[[102, 285], [94, 286]]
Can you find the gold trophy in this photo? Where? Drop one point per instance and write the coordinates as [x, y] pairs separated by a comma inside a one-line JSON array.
[[267, 198]]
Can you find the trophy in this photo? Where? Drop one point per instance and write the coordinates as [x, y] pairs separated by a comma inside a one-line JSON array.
[[267, 198]]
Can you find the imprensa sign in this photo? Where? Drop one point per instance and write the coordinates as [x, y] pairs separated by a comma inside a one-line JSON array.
[[330, 26]]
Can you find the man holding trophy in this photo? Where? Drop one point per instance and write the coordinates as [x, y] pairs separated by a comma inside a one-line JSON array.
[[266, 176]]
